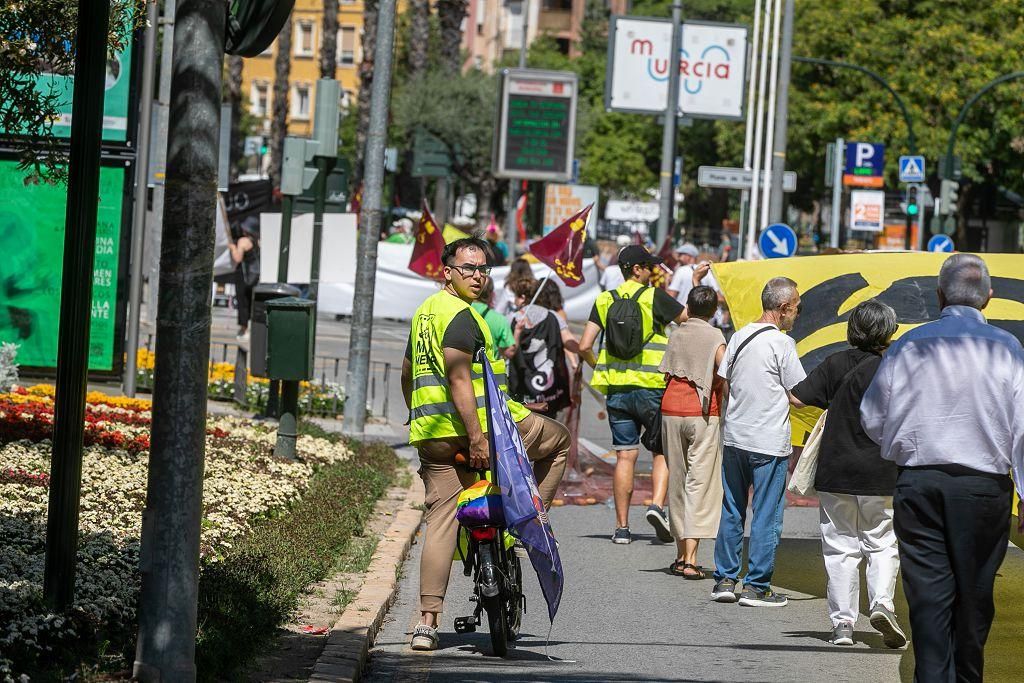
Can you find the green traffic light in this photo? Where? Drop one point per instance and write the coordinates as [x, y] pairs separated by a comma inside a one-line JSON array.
[[912, 209]]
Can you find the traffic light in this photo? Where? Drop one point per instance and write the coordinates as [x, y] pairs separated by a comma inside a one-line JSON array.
[[948, 197], [263, 147], [912, 206]]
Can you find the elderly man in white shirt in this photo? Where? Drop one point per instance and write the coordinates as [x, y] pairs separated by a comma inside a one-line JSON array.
[[947, 406]]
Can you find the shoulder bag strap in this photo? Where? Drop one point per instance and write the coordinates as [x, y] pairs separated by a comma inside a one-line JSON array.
[[742, 346]]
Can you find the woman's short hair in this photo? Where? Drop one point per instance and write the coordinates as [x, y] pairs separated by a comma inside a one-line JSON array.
[[486, 291], [871, 326], [964, 281], [702, 302], [549, 297]]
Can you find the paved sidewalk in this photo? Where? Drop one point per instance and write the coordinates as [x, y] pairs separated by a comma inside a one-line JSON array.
[[624, 618]]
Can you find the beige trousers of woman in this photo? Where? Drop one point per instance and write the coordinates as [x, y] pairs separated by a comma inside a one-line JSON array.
[[547, 446], [693, 451]]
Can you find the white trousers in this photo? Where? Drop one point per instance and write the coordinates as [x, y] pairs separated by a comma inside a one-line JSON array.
[[855, 528]]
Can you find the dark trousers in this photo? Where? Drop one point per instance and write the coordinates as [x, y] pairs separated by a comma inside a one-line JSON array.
[[953, 525]]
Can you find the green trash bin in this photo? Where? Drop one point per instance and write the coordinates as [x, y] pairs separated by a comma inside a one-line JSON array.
[[291, 338], [291, 341]]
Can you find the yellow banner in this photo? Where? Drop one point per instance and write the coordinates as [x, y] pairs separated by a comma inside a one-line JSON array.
[[830, 287]]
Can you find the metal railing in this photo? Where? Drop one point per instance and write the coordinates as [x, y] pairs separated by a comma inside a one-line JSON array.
[[328, 371]]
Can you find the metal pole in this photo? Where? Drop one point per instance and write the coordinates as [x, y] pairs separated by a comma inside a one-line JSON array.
[[169, 553], [837, 192], [762, 84], [287, 428], [323, 167], [781, 115], [668, 138], [769, 145], [285, 246], [511, 229], [748, 139], [139, 215], [76, 303], [366, 261], [921, 222]]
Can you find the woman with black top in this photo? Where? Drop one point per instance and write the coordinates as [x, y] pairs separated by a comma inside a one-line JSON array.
[[855, 485]]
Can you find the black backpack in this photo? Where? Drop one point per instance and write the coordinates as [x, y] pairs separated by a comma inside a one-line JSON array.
[[624, 326]]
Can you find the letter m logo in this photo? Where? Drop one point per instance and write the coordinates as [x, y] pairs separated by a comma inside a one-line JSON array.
[[641, 47]]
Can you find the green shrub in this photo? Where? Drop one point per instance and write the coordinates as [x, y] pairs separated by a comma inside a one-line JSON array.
[[258, 585]]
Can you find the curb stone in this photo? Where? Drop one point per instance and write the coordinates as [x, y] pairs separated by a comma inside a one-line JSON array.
[[351, 637]]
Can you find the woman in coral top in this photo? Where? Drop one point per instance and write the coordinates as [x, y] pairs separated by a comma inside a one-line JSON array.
[[690, 429]]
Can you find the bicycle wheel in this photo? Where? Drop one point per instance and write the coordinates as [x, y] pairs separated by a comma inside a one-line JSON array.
[[497, 622], [514, 595]]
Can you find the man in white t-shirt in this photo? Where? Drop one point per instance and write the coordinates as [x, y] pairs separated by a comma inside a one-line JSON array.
[[760, 366], [689, 274]]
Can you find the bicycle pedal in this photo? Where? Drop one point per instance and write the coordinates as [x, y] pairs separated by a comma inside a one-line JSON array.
[[465, 625]]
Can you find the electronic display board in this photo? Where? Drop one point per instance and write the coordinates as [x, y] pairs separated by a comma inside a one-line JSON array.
[[537, 125]]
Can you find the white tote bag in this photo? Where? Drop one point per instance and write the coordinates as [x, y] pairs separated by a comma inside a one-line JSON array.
[[802, 481]]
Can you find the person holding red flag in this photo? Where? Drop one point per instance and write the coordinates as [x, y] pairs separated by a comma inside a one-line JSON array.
[[427, 248]]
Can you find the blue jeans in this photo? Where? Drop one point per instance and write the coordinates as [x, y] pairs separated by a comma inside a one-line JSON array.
[[633, 410], [767, 473]]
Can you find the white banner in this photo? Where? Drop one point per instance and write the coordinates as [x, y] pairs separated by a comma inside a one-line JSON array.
[[712, 68], [398, 291], [867, 210]]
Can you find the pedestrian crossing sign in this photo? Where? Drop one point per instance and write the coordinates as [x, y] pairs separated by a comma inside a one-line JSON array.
[[912, 169]]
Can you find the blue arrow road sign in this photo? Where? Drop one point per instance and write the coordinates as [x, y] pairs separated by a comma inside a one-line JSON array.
[[912, 169], [777, 241], [940, 243]]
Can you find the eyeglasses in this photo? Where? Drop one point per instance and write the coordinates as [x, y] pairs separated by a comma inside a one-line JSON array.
[[467, 270]]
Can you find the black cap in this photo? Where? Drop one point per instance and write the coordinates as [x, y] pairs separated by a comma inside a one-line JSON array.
[[636, 255]]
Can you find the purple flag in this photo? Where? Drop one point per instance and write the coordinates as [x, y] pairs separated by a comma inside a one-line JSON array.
[[525, 516]]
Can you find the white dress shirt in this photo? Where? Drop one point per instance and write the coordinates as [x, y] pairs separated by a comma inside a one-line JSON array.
[[951, 392]]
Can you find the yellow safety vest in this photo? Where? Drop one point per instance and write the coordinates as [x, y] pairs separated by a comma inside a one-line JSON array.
[[433, 413], [640, 370]]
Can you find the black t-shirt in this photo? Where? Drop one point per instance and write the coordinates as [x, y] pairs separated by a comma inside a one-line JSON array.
[[462, 334], [849, 461], [666, 309]]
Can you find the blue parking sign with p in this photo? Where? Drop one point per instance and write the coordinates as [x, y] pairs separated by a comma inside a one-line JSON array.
[[911, 169]]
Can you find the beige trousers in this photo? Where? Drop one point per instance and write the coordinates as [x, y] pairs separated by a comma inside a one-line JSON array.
[[547, 446], [693, 451]]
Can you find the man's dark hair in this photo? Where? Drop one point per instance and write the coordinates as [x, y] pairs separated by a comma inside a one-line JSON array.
[[626, 269], [453, 248], [702, 302], [871, 326]]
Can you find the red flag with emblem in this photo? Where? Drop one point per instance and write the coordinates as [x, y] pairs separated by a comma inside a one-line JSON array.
[[562, 248], [427, 249]]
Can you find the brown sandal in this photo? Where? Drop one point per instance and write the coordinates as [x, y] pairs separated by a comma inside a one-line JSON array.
[[679, 569]]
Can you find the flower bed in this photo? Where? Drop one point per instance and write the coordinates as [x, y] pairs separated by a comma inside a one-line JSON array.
[[243, 485], [315, 398]]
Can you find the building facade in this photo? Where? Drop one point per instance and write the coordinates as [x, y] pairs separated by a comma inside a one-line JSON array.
[[307, 37]]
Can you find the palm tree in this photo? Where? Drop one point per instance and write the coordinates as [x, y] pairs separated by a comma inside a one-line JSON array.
[[233, 88], [419, 36], [329, 45], [450, 14], [279, 117]]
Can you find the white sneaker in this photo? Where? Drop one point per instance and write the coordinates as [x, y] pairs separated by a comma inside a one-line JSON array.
[[424, 638]]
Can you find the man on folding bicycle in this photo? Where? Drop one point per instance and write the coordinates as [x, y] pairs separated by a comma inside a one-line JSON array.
[[444, 390]]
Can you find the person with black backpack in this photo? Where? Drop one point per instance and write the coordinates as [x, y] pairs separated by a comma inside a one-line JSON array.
[[632, 318], [538, 375]]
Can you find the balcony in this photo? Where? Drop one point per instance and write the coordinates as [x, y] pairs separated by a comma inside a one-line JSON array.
[[554, 21]]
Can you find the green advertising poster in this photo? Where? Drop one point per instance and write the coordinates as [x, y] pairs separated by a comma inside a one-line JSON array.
[[115, 97], [32, 243]]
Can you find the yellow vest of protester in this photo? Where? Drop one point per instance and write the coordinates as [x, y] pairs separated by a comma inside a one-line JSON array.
[[433, 413], [640, 370]]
